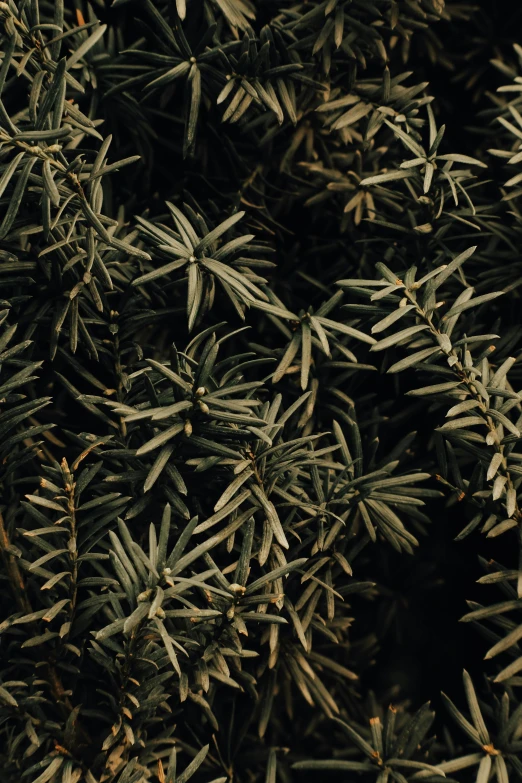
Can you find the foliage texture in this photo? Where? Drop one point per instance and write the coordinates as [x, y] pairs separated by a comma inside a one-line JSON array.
[[260, 280]]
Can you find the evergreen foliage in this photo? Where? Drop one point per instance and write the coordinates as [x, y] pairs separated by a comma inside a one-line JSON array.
[[260, 281]]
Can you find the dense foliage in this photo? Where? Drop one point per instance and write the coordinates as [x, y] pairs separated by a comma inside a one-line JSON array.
[[260, 404]]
